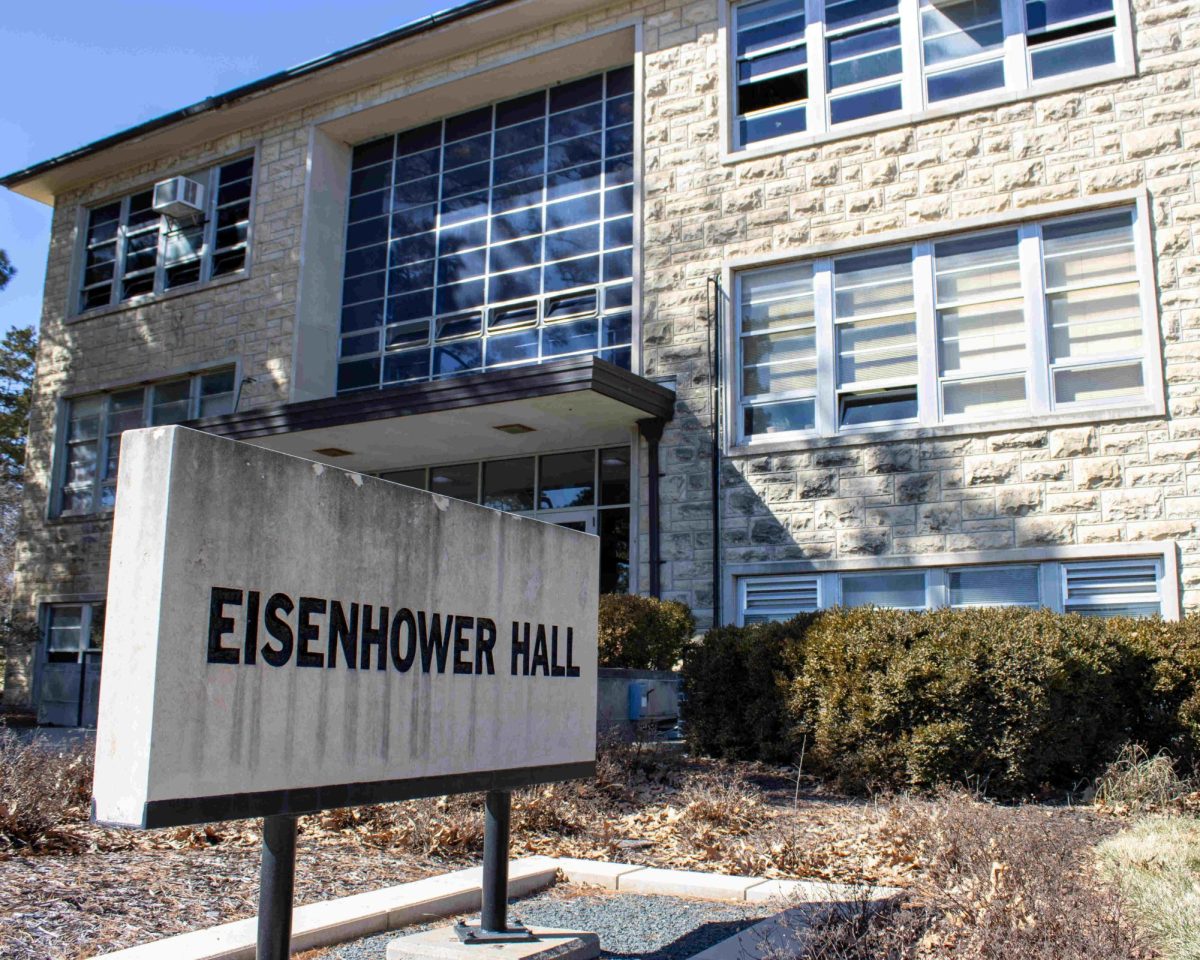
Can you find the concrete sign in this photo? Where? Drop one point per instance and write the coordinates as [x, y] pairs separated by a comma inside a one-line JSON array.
[[284, 637]]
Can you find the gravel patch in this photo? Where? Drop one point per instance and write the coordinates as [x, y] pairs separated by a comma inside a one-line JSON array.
[[631, 926]]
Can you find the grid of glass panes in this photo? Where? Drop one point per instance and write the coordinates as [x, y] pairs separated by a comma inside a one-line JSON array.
[[1130, 587], [962, 43], [876, 334], [72, 630], [549, 486], [974, 314], [981, 325], [495, 238], [1068, 35], [1093, 308], [131, 251], [810, 66], [92, 446]]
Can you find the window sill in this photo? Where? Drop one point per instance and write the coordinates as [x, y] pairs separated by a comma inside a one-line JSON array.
[[893, 121], [151, 299], [946, 431]]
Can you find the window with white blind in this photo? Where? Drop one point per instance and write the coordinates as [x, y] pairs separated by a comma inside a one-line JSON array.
[[818, 66], [763, 599], [1127, 588], [1047, 317], [87, 477], [130, 251], [1102, 588]]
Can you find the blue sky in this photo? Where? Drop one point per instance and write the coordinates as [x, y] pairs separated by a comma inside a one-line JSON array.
[[72, 71]]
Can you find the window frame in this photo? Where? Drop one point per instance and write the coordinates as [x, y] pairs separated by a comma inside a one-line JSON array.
[[87, 618], [208, 176], [1039, 372], [915, 105], [104, 438], [1051, 577]]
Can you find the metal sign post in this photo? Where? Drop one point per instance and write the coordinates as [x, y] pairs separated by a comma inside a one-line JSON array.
[[276, 888], [493, 915]]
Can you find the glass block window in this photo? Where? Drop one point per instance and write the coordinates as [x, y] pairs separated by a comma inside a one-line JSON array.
[[816, 65], [493, 239], [90, 455], [130, 251], [945, 331], [1103, 588]]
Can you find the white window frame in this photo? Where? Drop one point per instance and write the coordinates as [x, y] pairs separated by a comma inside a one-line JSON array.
[[915, 105], [1039, 372], [1052, 580], [105, 439], [208, 178]]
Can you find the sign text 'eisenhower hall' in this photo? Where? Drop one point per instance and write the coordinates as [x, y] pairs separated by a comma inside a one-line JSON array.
[[329, 634]]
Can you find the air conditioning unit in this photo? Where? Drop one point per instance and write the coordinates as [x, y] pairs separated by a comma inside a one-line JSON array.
[[179, 198]]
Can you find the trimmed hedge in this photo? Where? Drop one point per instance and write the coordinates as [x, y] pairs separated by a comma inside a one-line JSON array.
[[1009, 700], [642, 633]]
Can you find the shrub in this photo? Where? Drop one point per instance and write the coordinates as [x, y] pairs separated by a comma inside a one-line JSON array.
[[44, 792], [642, 633], [737, 683], [1009, 701]]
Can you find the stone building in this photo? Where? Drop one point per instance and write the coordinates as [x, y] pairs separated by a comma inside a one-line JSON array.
[[792, 302]]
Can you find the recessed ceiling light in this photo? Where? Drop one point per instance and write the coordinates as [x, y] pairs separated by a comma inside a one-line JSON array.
[[513, 428], [333, 452]]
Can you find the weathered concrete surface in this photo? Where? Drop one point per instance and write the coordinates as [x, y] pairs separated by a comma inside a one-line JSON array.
[[184, 713], [443, 944]]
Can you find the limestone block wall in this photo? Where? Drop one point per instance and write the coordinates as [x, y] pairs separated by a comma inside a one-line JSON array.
[[1126, 481]]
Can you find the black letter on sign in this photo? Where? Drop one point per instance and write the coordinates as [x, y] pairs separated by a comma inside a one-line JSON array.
[[556, 669], [251, 645], [219, 625], [339, 632], [572, 670], [485, 640], [308, 632], [539, 652], [280, 629], [374, 637], [462, 645], [520, 648], [433, 638], [403, 663]]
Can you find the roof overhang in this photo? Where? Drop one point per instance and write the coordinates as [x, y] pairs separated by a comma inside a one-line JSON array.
[[568, 403], [433, 38]]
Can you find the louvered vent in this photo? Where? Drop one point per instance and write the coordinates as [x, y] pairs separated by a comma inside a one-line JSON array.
[[778, 598]]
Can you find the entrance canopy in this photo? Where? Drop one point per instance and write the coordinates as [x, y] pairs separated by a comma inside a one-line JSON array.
[[574, 402]]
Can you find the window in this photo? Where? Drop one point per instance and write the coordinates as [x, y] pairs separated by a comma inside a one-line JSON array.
[[1128, 588], [978, 308], [585, 489], [492, 239], [1105, 588], [73, 630], [815, 65], [92, 445], [131, 251]]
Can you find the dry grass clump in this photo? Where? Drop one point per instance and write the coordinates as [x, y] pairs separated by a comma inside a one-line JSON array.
[[1156, 865], [999, 884], [43, 790], [1137, 782]]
